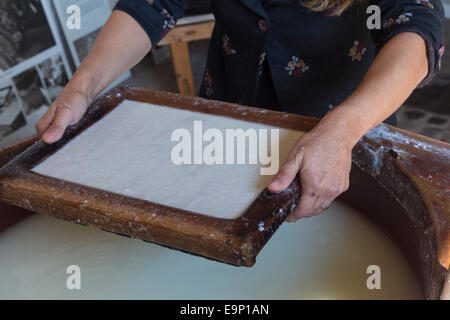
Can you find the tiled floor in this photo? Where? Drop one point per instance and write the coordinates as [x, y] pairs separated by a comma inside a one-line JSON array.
[[422, 121]]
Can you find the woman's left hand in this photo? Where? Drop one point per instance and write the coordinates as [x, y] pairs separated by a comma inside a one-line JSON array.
[[322, 157]]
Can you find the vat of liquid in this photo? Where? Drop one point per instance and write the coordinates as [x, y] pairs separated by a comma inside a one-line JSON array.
[[325, 257]]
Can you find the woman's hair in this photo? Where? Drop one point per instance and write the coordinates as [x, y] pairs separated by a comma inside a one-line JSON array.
[[332, 7]]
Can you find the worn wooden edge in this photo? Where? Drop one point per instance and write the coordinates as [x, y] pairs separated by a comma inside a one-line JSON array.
[[10, 151], [426, 162], [9, 214], [385, 154], [380, 155]]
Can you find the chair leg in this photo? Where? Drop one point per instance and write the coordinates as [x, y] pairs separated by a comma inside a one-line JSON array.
[[182, 68]]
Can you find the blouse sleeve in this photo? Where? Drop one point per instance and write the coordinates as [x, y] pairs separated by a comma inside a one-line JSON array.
[[156, 17], [424, 17]]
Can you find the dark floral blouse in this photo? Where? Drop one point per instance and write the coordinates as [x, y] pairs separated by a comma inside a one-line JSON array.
[[277, 54]]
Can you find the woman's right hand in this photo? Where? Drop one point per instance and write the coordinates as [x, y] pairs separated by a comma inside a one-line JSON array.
[[121, 44], [66, 110]]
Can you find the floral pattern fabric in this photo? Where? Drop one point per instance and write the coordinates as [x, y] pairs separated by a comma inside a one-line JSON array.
[[426, 3], [208, 84], [404, 17], [169, 22], [227, 45], [284, 49], [357, 51], [296, 67]]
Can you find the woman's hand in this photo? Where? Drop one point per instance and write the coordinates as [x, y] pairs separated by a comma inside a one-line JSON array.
[[121, 44], [322, 157], [66, 110]]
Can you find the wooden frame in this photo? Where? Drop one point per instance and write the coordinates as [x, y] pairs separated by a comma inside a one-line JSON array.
[[10, 215], [235, 241], [390, 183]]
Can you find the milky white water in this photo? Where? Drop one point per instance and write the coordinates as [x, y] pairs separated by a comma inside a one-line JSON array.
[[129, 152], [324, 257]]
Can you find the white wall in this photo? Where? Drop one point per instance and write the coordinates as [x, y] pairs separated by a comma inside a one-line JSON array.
[[113, 3], [447, 8]]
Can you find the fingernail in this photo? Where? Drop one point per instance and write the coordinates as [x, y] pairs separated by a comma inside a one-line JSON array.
[[51, 133], [275, 182], [290, 219]]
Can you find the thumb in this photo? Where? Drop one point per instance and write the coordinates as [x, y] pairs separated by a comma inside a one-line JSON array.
[[287, 173], [56, 130]]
